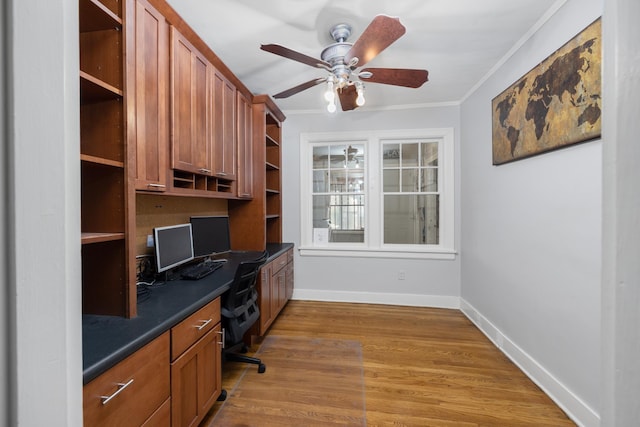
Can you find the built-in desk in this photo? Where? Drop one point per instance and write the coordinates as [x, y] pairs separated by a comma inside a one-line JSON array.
[[106, 340], [147, 370]]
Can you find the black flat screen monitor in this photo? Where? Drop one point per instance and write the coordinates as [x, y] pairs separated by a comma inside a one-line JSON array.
[[173, 245], [210, 235]]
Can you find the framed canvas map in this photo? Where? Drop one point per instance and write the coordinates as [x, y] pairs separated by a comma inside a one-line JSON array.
[[556, 104]]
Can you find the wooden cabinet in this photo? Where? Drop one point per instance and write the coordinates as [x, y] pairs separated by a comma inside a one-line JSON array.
[[258, 222], [276, 288], [224, 126], [152, 99], [190, 107], [196, 380], [106, 199], [245, 147], [134, 391]]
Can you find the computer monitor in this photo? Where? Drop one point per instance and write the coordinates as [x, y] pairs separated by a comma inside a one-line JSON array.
[[210, 235], [173, 246]]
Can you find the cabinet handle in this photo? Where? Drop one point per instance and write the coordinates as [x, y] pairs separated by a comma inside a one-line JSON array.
[[203, 170], [221, 333], [121, 386], [221, 174], [205, 323], [245, 195], [156, 186]]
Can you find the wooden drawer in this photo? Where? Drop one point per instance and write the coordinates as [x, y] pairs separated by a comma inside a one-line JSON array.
[[161, 417], [279, 263], [107, 401], [194, 327], [290, 255]]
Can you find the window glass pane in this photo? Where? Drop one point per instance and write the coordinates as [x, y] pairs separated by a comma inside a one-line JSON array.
[[338, 180], [355, 180], [320, 181], [429, 154], [409, 155], [409, 180], [390, 155], [320, 157], [355, 156], [429, 179], [337, 156], [346, 218], [321, 211], [391, 180], [411, 219]]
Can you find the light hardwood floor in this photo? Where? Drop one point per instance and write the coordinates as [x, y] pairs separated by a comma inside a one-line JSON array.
[[422, 367]]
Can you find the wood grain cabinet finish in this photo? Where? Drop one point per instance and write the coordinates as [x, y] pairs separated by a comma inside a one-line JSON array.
[[190, 107], [276, 289], [106, 197], [196, 378], [130, 392], [223, 124], [245, 147], [152, 98]]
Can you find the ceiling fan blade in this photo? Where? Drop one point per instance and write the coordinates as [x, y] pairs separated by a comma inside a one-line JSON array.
[[348, 95], [380, 33], [296, 56], [396, 76], [304, 86]]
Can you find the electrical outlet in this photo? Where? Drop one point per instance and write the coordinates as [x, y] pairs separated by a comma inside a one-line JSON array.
[[401, 275], [149, 240]]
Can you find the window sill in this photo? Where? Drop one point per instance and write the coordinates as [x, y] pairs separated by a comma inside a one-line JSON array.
[[435, 254]]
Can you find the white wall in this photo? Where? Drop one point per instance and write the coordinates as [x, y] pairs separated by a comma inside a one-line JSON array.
[[43, 214], [621, 215], [531, 238], [431, 282]]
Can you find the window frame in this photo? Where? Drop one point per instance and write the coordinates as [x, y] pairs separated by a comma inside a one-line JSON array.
[[373, 245]]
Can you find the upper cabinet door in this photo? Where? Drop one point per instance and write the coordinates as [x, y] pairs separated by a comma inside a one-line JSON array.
[[151, 97], [224, 127], [245, 147], [190, 107]]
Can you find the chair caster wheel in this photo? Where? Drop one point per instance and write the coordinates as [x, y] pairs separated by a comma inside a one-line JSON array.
[[261, 368], [223, 396]]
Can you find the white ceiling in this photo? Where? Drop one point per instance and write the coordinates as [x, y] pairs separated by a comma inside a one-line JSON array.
[[458, 41]]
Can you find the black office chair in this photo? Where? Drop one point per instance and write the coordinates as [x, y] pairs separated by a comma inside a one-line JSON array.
[[240, 311]]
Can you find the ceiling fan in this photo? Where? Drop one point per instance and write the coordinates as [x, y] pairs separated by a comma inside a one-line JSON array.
[[342, 60]]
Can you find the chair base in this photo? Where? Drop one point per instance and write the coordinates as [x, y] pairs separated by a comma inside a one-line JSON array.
[[235, 357]]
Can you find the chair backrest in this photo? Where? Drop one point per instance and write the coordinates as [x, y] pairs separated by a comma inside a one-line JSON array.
[[239, 308]]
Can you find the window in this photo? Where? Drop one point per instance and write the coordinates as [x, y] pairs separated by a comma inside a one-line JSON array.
[[410, 192], [378, 193], [338, 191]]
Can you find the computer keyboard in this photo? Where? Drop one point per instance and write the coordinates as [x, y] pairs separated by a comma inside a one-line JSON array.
[[200, 270]]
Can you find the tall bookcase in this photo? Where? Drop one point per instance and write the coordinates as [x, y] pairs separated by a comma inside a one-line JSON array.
[[106, 199], [257, 222]]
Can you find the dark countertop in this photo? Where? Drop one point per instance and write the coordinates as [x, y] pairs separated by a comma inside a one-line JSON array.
[[106, 340]]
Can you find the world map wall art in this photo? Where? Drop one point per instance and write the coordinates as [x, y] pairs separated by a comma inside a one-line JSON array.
[[556, 104]]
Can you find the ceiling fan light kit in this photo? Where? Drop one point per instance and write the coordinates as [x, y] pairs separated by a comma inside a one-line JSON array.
[[341, 60]]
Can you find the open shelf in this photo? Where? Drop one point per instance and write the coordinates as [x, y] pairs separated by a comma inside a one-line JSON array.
[[271, 142], [93, 89], [88, 238], [96, 17], [101, 161]]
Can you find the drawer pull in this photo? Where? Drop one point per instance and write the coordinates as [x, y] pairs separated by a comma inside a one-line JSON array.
[[156, 186], [121, 386], [204, 170], [204, 323], [221, 333], [221, 174]]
